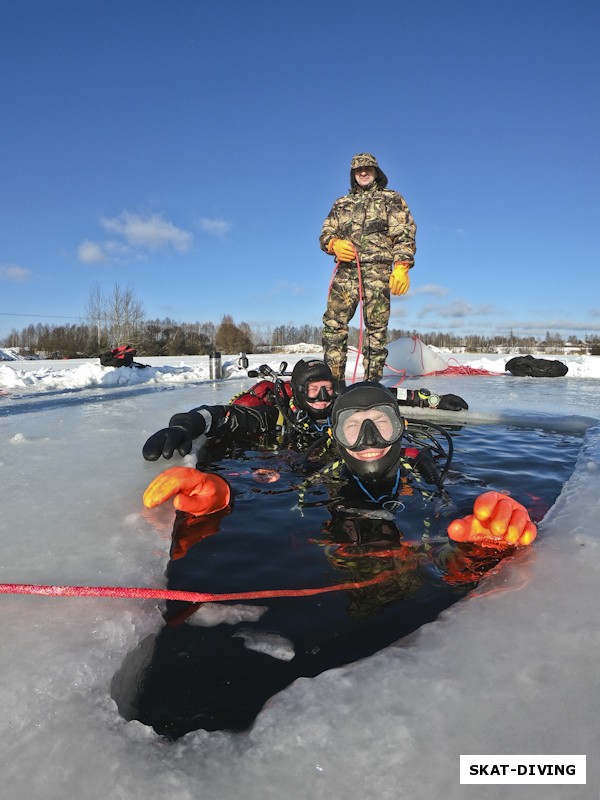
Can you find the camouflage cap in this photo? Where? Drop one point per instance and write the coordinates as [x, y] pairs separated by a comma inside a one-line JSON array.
[[364, 160]]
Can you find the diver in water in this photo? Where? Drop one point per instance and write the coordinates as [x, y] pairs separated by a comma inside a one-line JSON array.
[[377, 467], [366, 525], [401, 568], [299, 411], [380, 458]]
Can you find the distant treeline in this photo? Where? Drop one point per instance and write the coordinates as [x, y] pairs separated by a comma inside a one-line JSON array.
[[169, 338], [118, 317], [150, 338]]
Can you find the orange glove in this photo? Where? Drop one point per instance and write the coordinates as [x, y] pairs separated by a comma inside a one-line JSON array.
[[343, 249], [497, 520], [399, 280], [192, 491]]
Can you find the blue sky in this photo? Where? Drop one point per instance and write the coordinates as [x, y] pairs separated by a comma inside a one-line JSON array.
[[191, 150]]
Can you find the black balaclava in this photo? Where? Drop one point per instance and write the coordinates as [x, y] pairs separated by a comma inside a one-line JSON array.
[[365, 396], [306, 372]]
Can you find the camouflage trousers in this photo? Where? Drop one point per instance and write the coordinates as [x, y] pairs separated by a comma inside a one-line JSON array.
[[341, 306]]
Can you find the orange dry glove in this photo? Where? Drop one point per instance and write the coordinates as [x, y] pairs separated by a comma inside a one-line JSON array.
[[497, 520], [399, 280], [343, 249], [192, 491]]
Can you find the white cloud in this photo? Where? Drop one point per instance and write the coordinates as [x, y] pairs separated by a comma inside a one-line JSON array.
[[216, 227], [106, 252], [136, 236], [14, 274], [91, 253], [560, 325], [458, 310], [148, 233]]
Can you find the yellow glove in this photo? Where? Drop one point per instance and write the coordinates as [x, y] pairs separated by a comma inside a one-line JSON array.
[[193, 491], [399, 280], [343, 249]]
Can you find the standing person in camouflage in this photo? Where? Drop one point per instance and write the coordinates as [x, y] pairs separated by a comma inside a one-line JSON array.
[[374, 224]]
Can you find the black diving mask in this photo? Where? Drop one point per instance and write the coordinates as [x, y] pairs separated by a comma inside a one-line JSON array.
[[322, 396], [363, 429]]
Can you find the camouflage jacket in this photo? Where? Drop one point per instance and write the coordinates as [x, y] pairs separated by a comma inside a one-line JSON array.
[[377, 221]]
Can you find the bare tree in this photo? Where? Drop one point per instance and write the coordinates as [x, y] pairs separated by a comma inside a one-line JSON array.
[[95, 314], [120, 315]]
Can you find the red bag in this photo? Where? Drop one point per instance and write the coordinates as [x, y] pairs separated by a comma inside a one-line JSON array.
[[264, 393], [121, 356]]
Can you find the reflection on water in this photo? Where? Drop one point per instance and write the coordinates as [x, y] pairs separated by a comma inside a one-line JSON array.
[[216, 670]]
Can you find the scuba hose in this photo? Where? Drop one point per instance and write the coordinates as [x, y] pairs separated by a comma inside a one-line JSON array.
[[421, 435], [281, 400], [323, 441]]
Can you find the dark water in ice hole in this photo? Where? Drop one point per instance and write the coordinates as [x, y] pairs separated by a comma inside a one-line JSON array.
[[191, 676]]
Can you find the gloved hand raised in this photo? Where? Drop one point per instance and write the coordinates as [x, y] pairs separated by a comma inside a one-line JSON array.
[[497, 520], [399, 280], [164, 443], [192, 491], [182, 430], [343, 249]]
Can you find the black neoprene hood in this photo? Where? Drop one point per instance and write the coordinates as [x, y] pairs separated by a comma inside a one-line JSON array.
[[365, 396], [305, 372]]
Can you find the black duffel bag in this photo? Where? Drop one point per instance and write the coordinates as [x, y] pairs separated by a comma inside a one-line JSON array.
[[528, 366]]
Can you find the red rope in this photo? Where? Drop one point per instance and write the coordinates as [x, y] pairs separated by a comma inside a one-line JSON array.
[[140, 593], [360, 315], [464, 369]]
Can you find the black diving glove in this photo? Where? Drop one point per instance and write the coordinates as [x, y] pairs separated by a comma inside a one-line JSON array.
[[423, 398], [182, 430], [452, 402]]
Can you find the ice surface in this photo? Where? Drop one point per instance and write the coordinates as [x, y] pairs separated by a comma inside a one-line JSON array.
[[511, 669]]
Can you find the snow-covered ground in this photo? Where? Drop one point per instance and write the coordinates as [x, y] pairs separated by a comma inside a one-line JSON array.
[[505, 672]]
